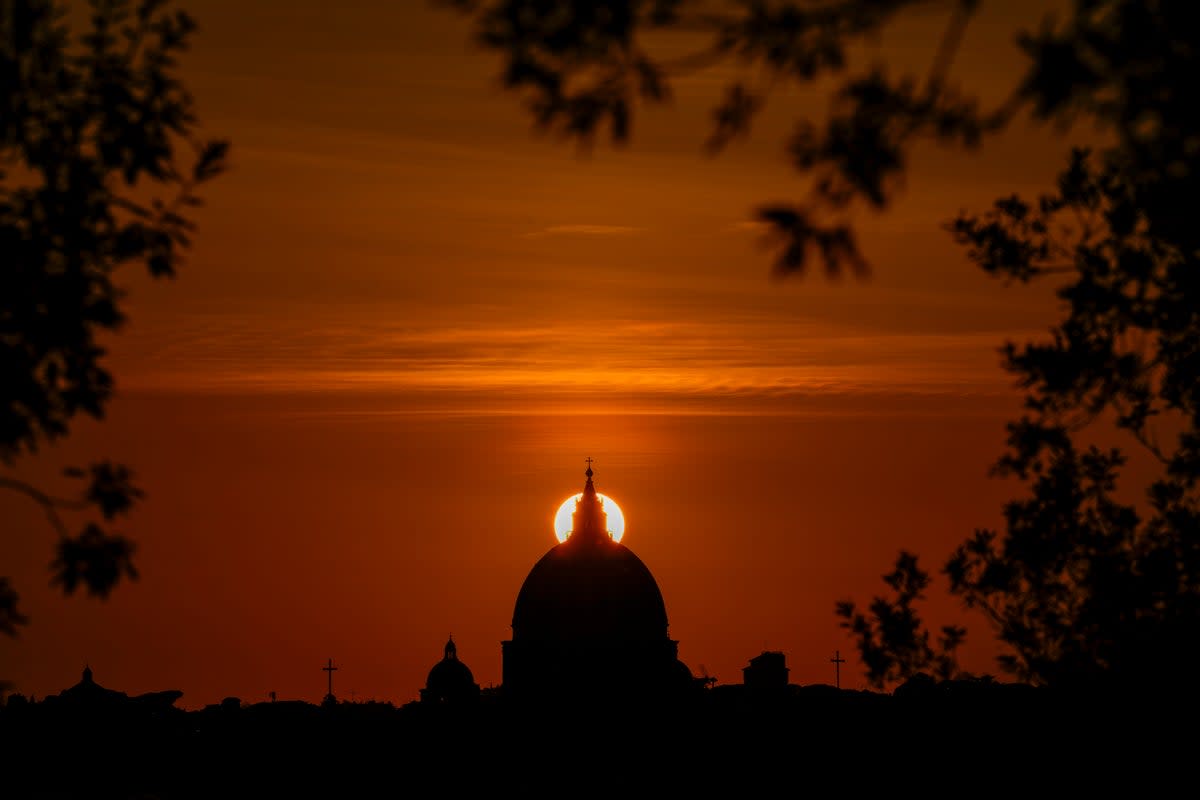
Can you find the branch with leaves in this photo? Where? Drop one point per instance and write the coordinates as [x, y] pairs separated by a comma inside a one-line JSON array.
[[584, 68], [101, 160], [1080, 586]]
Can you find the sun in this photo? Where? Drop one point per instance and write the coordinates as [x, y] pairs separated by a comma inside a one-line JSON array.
[[562, 518]]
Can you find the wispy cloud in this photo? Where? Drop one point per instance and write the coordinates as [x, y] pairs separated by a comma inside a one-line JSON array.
[[584, 230], [749, 362]]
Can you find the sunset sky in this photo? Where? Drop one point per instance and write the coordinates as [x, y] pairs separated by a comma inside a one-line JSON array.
[[407, 320]]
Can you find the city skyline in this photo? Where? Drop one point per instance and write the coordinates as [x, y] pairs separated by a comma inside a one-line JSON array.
[[406, 320]]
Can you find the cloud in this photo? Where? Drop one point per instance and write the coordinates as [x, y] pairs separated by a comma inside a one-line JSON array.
[[749, 226], [755, 362], [584, 230]]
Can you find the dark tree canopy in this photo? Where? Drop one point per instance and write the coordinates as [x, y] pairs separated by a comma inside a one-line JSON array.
[[1082, 588], [101, 155]]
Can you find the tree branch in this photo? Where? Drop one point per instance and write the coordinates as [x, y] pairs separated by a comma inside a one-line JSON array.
[[951, 40], [49, 504]]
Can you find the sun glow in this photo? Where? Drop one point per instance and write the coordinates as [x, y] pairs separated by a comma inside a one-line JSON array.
[[562, 518]]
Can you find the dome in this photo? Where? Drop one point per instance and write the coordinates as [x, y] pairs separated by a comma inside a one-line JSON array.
[[590, 587], [582, 591], [450, 680], [589, 619], [448, 676]]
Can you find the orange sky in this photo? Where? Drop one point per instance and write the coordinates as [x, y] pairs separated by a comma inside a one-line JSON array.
[[407, 320]]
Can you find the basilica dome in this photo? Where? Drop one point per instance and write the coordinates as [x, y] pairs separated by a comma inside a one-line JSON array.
[[589, 615], [589, 587]]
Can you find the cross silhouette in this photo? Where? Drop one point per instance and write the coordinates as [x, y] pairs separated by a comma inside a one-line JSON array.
[[837, 667], [329, 670]]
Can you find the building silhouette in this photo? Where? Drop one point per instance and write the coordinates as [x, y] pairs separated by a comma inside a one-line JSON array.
[[590, 635], [590, 622], [450, 681], [767, 670], [88, 696]]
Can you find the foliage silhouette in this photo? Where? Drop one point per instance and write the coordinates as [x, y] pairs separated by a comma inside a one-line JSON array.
[[1084, 587], [94, 127], [584, 68]]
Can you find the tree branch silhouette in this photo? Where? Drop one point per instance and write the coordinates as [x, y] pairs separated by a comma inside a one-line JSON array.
[[1080, 585], [101, 160], [581, 69]]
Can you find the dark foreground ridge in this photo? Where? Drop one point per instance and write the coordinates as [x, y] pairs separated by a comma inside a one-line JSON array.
[[962, 739]]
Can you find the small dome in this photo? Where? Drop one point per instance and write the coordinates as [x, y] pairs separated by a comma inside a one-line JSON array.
[[447, 677], [450, 680]]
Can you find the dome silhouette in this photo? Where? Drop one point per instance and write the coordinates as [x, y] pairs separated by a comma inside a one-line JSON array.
[[450, 680], [583, 591], [590, 620]]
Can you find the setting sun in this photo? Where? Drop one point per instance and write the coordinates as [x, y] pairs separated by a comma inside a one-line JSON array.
[[562, 518]]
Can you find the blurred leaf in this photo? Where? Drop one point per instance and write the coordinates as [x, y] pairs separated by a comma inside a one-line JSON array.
[[111, 489], [94, 124], [10, 618], [94, 559]]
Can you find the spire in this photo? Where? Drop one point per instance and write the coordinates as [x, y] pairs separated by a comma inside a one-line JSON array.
[[589, 522], [87, 673], [451, 650]]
